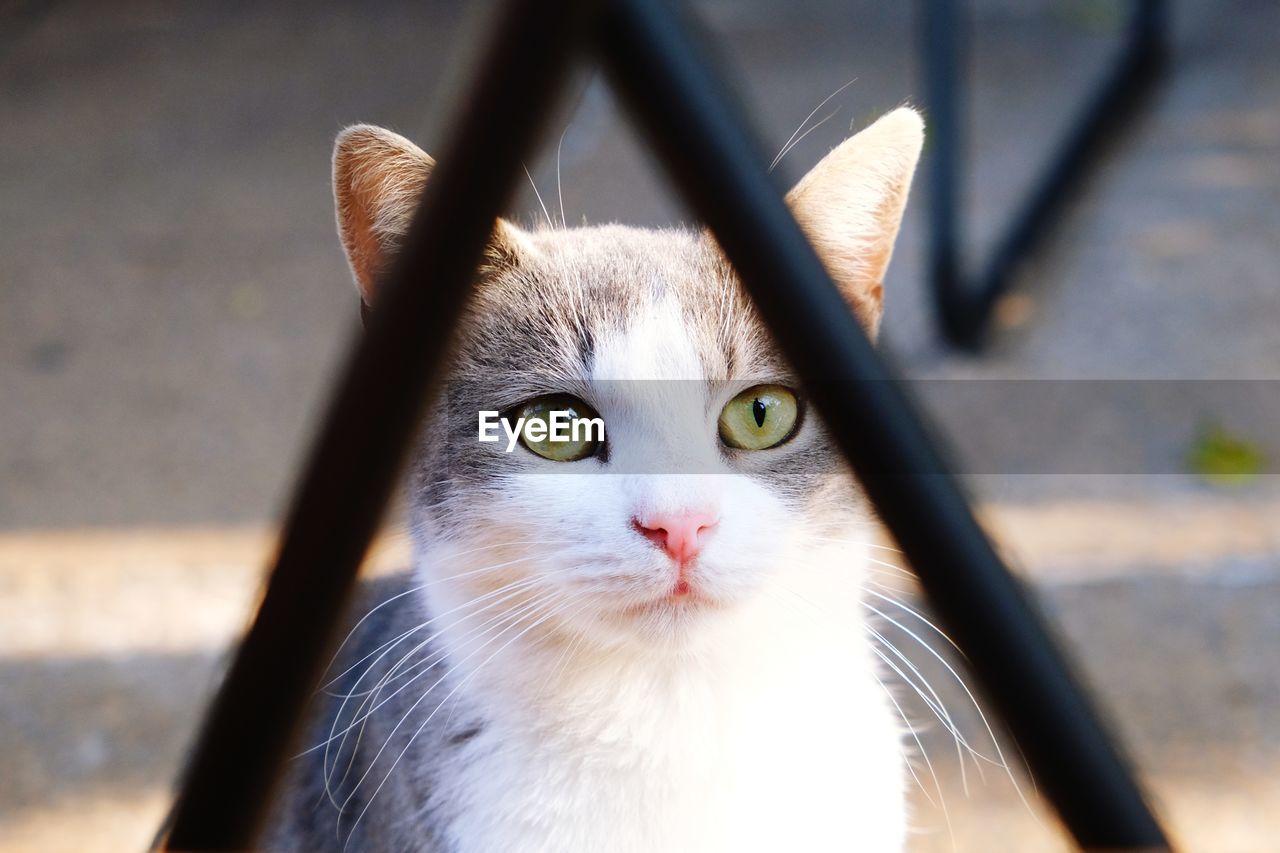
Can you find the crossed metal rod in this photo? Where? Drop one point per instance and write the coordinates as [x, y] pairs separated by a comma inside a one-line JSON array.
[[661, 70], [964, 298]]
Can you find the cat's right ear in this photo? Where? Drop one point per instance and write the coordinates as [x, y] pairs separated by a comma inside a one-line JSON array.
[[850, 206], [378, 179]]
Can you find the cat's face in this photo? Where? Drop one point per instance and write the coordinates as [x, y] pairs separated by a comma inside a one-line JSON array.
[[664, 521], [713, 480]]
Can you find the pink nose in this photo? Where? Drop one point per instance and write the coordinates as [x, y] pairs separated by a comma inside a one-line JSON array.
[[680, 534]]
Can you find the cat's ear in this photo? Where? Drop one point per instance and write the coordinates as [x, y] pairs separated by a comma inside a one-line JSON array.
[[850, 206], [378, 178]]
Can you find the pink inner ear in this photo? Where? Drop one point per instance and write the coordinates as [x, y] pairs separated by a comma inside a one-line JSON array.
[[377, 179], [851, 205], [363, 249]]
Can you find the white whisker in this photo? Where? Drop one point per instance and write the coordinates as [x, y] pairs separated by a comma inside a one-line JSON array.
[[550, 223], [422, 644], [790, 140], [935, 704], [559, 189], [783, 153], [941, 802], [917, 614], [435, 658], [397, 640], [361, 716], [1002, 762], [563, 606]]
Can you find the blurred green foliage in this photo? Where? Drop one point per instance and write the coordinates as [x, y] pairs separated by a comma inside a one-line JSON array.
[[1223, 458]]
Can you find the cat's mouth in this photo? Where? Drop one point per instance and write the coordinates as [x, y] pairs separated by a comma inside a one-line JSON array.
[[681, 598]]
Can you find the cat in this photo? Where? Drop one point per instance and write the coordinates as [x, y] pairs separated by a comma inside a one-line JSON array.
[[650, 640]]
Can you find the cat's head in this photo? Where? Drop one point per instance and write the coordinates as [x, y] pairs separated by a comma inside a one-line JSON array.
[[713, 484]]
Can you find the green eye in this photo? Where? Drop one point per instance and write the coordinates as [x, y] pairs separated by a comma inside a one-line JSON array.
[[560, 427], [759, 418]]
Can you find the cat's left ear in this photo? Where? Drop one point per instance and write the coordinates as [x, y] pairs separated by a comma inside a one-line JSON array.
[[378, 179], [850, 206]]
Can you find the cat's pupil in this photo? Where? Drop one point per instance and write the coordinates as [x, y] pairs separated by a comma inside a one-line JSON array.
[[758, 411]]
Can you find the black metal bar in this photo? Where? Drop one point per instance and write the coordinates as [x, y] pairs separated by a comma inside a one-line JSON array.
[[944, 44], [965, 306], [660, 72], [368, 429]]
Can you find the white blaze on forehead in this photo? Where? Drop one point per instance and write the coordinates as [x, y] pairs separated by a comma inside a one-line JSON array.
[[657, 344], [651, 388]]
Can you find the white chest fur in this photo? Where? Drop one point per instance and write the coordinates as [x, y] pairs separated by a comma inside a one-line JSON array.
[[776, 735]]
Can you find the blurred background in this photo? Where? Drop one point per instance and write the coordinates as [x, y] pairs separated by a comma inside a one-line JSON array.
[[173, 305]]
